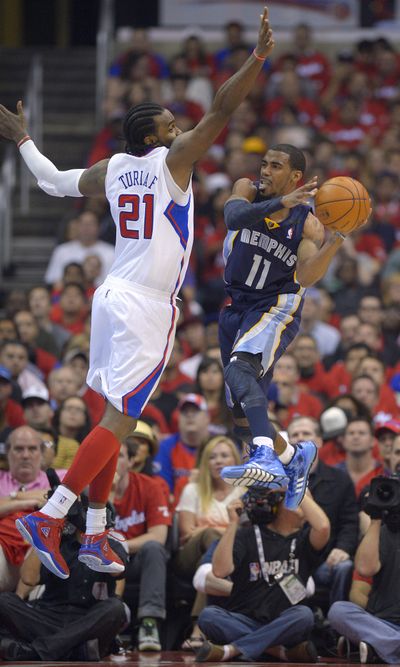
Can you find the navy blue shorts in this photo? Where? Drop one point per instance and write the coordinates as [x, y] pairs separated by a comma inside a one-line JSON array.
[[267, 332]]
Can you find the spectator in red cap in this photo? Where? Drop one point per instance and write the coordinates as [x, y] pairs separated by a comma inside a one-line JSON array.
[[177, 454], [385, 434]]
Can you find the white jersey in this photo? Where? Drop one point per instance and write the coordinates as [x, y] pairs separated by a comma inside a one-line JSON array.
[[154, 221]]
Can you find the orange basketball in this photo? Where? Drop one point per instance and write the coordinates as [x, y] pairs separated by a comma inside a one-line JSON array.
[[342, 204]]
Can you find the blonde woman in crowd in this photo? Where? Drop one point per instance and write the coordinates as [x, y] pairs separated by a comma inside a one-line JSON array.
[[202, 515]]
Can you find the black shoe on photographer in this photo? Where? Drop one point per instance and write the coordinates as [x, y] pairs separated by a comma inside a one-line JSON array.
[[11, 649], [368, 655]]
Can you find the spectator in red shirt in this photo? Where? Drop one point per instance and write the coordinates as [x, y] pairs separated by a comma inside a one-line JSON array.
[[386, 433], [312, 373], [72, 310], [78, 361], [346, 128], [142, 516], [386, 199], [358, 443], [310, 63], [340, 376], [11, 413], [366, 390], [291, 96], [333, 423], [28, 332], [292, 401], [373, 366]]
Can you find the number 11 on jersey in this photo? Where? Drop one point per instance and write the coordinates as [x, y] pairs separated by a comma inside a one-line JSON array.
[[254, 271]]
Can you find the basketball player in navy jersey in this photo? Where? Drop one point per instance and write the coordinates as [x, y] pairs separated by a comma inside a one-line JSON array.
[[273, 250]]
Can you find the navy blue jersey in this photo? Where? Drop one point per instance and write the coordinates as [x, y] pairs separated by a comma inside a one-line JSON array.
[[260, 261]]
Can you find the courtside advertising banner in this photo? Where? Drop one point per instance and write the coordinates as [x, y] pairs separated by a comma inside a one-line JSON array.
[[283, 13]]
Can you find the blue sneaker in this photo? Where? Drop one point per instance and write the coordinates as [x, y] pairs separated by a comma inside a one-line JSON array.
[[297, 471], [97, 554], [44, 534], [263, 469]]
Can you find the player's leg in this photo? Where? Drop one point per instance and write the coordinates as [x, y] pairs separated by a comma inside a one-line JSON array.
[[94, 465]]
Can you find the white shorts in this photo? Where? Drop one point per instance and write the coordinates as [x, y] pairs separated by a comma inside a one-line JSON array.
[[132, 334]]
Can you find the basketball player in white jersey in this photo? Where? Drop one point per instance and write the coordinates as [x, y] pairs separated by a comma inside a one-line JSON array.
[[134, 311]]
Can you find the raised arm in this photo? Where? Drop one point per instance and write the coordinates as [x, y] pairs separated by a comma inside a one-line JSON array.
[[314, 255], [72, 183], [190, 146]]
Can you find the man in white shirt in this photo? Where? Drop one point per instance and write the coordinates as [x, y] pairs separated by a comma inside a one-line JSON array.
[[86, 244]]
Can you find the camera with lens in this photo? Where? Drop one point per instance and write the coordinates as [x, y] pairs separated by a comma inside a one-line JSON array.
[[261, 505], [383, 501]]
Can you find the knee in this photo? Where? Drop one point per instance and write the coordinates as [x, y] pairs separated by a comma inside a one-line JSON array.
[[241, 373], [304, 616], [337, 611], [207, 618], [153, 549]]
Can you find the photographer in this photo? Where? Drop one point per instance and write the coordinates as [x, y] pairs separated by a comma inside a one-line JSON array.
[[269, 563], [376, 629], [76, 618]]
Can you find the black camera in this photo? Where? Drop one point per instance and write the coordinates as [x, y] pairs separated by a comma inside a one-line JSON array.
[[383, 501], [261, 505]]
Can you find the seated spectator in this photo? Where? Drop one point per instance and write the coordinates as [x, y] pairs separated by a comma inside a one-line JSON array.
[[72, 310], [309, 63], [340, 375], [143, 446], [203, 516], [386, 433], [233, 37], [326, 336], [192, 337], [15, 301], [261, 613], [333, 422], [87, 243], [142, 516], [333, 491], [358, 443], [76, 619], [71, 419], [292, 96], [11, 413], [177, 454], [210, 383], [7, 329], [375, 630], [312, 373], [28, 332], [348, 329], [72, 273], [51, 336], [62, 384], [22, 489], [291, 400], [78, 360], [366, 390], [38, 412], [373, 366], [24, 375]]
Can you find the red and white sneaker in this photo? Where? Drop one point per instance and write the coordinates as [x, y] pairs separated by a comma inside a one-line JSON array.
[[44, 534], [97, 554]]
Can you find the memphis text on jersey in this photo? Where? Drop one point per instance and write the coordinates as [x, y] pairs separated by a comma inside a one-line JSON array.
[[270, 245]]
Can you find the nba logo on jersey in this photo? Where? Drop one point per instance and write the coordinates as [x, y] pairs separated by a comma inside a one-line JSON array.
[[289, 233]]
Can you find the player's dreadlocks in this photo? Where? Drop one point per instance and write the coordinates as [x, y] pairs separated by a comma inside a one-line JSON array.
[[138, 123]]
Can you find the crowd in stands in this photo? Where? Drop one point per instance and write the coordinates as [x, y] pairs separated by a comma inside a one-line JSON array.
[[338, 384]]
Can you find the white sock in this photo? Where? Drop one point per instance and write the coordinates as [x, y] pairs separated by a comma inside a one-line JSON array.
[[60, 503], [96, 521], [227, 652], [261, 440], [287, 454]]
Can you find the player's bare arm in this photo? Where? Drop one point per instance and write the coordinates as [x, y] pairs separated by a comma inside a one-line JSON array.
[[245, 189], [314, 254], [190, 146], [92, 181]]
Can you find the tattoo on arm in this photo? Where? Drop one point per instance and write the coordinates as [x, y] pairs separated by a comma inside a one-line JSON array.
[[92, 181]]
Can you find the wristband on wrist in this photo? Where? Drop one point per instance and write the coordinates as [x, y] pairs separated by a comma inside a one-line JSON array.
[[261, 58], [339, 235], [23, 140]]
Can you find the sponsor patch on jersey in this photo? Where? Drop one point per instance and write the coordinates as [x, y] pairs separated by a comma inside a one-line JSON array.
[[271, 224]]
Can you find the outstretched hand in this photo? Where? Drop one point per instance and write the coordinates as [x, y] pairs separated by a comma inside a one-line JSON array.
[[301, 195], [12, 126], [265, 42]]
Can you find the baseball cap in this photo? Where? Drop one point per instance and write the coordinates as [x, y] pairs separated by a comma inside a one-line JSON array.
[[36, 392], [254, 144], [391, 425], [5, 373], [193, 399], [333, 422]]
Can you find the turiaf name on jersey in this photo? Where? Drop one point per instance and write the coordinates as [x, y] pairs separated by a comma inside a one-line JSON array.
[[270, 245], [137, 177]]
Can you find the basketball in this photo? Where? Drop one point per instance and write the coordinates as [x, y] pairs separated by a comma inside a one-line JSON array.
[[342, 204]]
